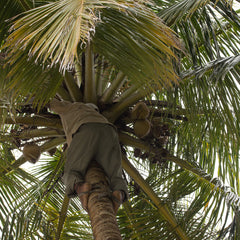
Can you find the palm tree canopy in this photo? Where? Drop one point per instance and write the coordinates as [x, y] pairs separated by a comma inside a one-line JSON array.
[[180, 58], [57, 32]]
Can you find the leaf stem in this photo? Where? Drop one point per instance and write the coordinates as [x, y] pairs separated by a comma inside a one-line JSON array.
[[118, 109], [36, 121], [90, 88], [63, 94], [100, 76], [115, 85], [43, 132], [72, 87], [127, 93], [78, 74], [62, 216]]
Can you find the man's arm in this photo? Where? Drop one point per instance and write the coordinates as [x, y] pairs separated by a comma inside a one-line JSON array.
[[58, 106]]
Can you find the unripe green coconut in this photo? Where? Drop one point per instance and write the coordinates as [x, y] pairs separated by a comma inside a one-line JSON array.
[[31, 152], [142, 128], [140, 111]]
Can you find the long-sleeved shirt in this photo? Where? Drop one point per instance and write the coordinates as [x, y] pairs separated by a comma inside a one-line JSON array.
[[73, 115]]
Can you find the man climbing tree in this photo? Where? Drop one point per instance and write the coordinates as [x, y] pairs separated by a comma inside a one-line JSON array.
[[90, 137], [115, 54]]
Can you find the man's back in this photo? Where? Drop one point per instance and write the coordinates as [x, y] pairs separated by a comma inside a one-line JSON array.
[[73, 115]]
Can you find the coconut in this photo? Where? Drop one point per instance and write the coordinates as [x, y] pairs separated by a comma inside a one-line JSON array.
[[31, 152], [140, 111], [142, 128]]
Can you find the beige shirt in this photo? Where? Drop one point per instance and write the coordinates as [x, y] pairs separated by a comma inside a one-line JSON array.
[[73, 115]]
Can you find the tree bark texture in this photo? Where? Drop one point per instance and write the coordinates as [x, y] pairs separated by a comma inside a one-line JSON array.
[[100, 207]]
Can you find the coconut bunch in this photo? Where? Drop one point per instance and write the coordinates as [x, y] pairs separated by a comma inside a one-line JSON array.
[[144, 127], [158, 158], [160, 131], [149, 126], [141, 124]]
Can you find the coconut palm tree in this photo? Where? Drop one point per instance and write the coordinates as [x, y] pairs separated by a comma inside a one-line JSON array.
[[178, 121]]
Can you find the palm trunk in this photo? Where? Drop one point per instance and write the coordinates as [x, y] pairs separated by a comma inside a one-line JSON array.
[[100, 207]]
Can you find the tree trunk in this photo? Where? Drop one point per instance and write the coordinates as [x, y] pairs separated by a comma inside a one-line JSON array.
[[100, 207]]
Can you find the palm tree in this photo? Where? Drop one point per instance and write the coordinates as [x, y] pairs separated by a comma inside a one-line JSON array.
[[115, 54]]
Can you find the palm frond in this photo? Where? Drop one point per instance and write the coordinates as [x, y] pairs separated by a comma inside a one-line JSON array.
[[49, 33], [179, 191], [176, 11], [38, 26], [163, 209], [34, 209], [180, 10], [10, 9], [146, 52], [210, 40]]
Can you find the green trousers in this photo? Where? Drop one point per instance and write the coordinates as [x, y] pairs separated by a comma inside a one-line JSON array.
[[99, 142]]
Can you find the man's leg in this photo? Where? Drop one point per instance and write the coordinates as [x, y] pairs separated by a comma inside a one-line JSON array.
[[79, 155], [109, 157], [82, 190]]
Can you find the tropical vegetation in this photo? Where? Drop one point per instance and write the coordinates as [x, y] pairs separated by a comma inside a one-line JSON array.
[[178, 60]]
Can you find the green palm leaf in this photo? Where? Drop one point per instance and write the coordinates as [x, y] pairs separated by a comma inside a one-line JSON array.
[[49, 33]]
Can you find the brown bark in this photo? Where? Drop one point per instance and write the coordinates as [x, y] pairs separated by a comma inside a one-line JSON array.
[[100, 207]]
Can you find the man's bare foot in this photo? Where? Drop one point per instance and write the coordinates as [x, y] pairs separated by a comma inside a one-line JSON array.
[[117, 197], [83, 190]]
